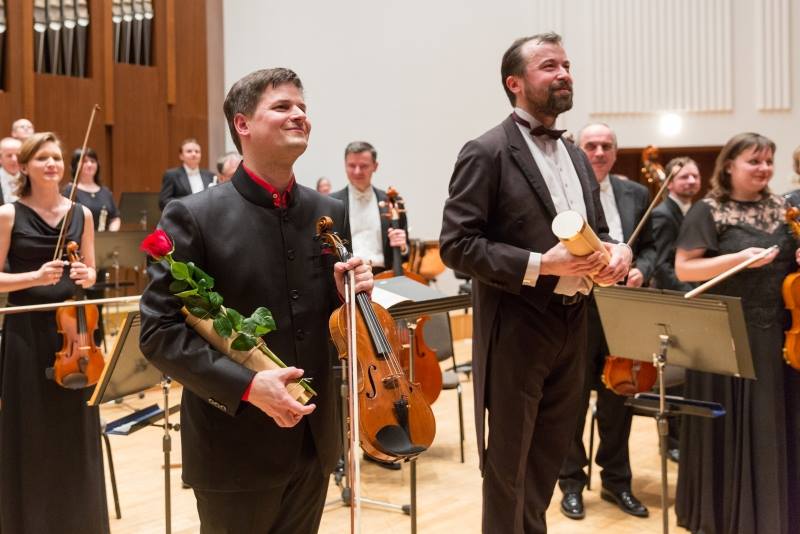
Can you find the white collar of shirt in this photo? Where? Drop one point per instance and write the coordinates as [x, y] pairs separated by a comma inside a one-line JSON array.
[[684, 206], [8, 184], [610, 209], [195, 180], [361, 196]]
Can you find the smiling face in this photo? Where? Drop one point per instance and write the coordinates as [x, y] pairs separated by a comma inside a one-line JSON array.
[[360, 167], [750, 172], [545, 88], [46, 167], [9, 149], [686, 183], [600, 146], [279, 123], [89, 169]]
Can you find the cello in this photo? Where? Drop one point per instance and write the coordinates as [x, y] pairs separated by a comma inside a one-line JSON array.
[[791, 298], [426, 365], [395, 422]]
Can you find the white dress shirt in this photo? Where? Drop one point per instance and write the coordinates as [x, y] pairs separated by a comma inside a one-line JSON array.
[[9, 183], [565, 189], [195, 180], [365, 226], [610, 209]]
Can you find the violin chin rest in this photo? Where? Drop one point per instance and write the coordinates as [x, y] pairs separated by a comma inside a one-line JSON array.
[[75, 381], [395, 441]]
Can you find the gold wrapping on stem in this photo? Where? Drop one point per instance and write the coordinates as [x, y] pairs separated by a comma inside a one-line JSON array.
[[253, 359]]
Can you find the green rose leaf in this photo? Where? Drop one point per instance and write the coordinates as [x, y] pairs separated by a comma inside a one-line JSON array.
[[200, 313], [263, 318], [215, 299], [198, 302], [243, 342], [249, 326], [177, 286], [202, 277], [186, 294], [235, 318], [223, 326], [179, 270]]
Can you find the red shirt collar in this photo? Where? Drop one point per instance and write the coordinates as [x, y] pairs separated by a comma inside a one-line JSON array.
[[281, 200]]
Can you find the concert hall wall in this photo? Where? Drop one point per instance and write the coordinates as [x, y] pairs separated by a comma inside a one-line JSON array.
[[145, 110]]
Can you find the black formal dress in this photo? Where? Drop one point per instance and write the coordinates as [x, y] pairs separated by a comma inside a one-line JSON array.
[[96, 202], [529, 342], [259, 255], [739, 473], [613, 417], [51, 465]]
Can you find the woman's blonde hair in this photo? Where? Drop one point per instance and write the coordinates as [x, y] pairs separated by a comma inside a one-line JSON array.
[[29, 148]]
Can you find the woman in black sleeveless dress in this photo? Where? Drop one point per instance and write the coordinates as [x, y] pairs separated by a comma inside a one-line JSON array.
[[739, 473], [51, 470]]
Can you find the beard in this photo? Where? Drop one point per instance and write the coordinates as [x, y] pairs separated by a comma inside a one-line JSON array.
[[554, 104]]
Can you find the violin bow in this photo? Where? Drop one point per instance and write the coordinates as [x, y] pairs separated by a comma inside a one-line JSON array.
[[652, 205], [354, 469], [67, 220], [699, 290]]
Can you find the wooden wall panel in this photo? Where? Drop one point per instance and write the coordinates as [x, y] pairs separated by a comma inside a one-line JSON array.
[[137, 138]]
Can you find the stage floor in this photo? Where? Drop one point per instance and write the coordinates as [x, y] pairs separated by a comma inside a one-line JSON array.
[[448, 492]]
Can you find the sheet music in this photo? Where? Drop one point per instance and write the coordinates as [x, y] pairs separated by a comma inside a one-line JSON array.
[[387, 299]]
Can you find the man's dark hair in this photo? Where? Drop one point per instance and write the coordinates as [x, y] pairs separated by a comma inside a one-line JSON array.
[[186, 142], [245, 94], [514, 62], [357, 147]]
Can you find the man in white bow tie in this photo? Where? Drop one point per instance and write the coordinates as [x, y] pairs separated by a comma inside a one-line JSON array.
[[372, 236]]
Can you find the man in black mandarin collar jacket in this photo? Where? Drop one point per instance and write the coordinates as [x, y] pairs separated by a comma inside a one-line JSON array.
[[528, 342], [261, 465]]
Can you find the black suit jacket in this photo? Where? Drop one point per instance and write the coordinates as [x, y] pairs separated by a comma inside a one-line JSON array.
[[632, 200], [388, 255], [667, 220], [499, 210], [259, 255], [175, 184]]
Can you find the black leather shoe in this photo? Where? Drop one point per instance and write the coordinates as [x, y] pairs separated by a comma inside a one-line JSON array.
[[572, 505], [386, 465], [626, 502]]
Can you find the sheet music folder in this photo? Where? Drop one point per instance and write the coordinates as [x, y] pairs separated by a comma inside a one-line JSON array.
[[127, 371], [707, 333], [408, 299]]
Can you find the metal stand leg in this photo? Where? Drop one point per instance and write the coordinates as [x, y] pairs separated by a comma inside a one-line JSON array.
[[659, 360], [112, 475]]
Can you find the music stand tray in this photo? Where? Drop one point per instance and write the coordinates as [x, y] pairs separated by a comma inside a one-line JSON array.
[[707, 334], [122, 247]]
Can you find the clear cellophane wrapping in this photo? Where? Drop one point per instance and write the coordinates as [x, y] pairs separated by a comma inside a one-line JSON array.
[[253, 359]]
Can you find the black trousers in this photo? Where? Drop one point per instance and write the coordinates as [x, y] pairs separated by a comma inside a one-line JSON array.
[[293, 508], [534, 385], [613, 423]]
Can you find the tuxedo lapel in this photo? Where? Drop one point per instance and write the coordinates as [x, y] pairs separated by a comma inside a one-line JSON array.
[[524, 159], [623, 196], [184, 180]]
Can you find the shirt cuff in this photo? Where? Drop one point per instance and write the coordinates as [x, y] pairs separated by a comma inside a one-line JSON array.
[[246, 394], [534, 267]]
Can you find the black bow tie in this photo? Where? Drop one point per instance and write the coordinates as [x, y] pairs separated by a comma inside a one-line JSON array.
[[539, 130]]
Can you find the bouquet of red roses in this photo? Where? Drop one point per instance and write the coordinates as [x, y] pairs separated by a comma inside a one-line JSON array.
[[225, 329]]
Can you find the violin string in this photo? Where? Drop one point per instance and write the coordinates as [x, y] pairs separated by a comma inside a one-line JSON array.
[[378, 335]]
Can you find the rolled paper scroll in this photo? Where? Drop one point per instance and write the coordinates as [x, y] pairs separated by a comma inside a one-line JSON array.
[[579, 238], [253, 359]]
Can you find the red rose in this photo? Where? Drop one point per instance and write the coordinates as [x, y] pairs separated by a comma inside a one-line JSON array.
[[158, 244]]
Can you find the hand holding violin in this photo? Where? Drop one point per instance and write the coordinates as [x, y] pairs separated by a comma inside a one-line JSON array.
[[268, 393], [82, 274], [364, 280], [50, 273]]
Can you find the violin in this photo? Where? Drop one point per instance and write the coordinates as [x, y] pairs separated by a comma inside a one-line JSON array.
[[394, 206], [80, 361], [426, 365], [652, 172], [628, 377], [791, 299], [395, 422]]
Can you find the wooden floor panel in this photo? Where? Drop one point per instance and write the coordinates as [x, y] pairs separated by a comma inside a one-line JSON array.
[[448, 492]]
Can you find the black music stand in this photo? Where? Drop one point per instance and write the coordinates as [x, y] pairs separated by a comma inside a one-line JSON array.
[[128, 372], [141, 207], [707, 333], [408, 300]]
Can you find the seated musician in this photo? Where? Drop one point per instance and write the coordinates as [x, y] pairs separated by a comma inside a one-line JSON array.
[[51, 467]]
